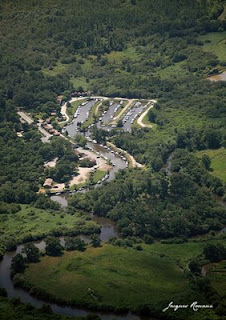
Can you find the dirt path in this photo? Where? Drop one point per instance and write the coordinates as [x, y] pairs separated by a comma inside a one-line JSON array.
[[130, 102], [63, 110], [64, 113], [130, 158], [141, 118]]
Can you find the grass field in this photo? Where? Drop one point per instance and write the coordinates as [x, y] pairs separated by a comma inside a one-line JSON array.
[[36, 222], [119, 277], [58, 69], [173, 71], [217, 274], [79, 82], [218, 161], [181, 253], [217, 44], [116, 57], [98, 175]]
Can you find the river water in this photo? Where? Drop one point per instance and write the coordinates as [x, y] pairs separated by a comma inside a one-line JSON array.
[[25, 297], [108, 229]]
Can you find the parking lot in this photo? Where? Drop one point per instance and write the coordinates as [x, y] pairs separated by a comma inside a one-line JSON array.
[[108, 115], [132, 114], [80, 116]]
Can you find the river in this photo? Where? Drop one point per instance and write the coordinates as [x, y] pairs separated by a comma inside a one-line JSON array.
[[25, 297], [108, 229]]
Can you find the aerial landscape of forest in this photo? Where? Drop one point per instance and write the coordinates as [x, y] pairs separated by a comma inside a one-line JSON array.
[[113, 159]]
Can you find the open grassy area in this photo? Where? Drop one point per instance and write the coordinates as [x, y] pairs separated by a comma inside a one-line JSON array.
[[215, 42], [59, 68], [216, 273], [218, 161], [79, 82], [118, 277], [98, 175], [37, 222], [116, 57], [174, 71], [181, 253]]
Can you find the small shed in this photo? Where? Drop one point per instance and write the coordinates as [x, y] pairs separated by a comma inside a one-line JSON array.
[[48, 183]]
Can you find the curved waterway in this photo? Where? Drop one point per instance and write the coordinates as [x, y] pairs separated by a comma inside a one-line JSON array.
[[25, 297], [108, 229]]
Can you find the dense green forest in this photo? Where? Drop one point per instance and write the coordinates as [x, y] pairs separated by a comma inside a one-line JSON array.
[[46, 47], [143, 203]]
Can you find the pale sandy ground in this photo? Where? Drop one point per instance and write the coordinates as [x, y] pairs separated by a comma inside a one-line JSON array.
[[63, 110], [130, 102], [51, 164], [141, 118], [58, 188], [83, 175], [25, 116]]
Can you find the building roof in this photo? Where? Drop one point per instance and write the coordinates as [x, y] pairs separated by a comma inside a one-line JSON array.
[[48, 182]]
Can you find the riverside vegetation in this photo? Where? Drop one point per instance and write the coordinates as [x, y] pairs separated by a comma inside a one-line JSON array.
[[134, 49]]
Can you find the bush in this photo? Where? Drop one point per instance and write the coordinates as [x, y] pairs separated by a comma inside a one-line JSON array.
[[148, 239], [3, 292], [53, 247], [18, 264]]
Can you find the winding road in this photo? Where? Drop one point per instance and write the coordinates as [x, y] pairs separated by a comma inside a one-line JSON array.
[[142, 116]]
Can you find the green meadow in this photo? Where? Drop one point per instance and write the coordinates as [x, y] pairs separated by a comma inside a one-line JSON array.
[[215, 42], [216, 273], [118, 277], [38, 222], [111, 277], [98, 175], [218, 162]]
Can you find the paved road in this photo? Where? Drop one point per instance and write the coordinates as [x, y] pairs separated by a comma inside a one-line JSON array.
[[133, 112], [108, 116], [43, 131], [26, 117], [72, 128], [64, 108]]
